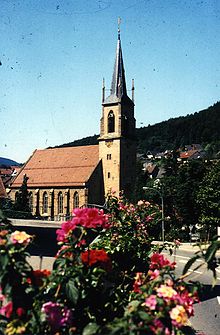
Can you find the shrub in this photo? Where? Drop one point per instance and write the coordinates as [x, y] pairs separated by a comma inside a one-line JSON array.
[[106, 279]]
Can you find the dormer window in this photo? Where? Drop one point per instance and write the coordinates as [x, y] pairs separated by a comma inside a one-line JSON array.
[[111, 122]]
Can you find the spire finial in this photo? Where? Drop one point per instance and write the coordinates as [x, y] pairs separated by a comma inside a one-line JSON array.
[[119, 31]]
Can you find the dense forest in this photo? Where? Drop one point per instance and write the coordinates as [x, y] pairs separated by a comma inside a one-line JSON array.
[[201, 127]]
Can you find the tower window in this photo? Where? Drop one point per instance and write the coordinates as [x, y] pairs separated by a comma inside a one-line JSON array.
[[109, 157], [109, 174], [111, 122]]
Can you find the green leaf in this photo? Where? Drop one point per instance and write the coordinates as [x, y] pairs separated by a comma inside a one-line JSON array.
[[4, 261], [90, 329], [72, 291], [211, 251], [144, 315], [132, 307], [59, 263], [190, 263]]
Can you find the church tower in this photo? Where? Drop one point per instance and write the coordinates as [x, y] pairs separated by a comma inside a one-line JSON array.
[[117, 144]]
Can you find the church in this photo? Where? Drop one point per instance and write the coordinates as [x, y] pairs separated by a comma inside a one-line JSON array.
[[61, 179]]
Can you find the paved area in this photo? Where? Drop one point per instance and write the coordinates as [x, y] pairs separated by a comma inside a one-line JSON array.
[[47, 262], [41, 262], [187, 246]]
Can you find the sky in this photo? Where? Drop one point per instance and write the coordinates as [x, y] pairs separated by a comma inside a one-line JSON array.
[[55, 53]]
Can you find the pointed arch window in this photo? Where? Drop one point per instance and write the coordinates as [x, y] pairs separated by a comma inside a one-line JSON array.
[[45, 203], [76, 200], [31, 201], [60, 203], [111, 122]]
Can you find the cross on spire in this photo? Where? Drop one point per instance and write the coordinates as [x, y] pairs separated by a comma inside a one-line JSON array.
[[119, 31]]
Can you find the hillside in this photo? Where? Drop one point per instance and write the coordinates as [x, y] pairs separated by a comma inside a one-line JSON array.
[[201, 127], [7, 162]]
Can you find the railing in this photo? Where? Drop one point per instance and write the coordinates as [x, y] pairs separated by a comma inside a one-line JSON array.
[[95, 206]]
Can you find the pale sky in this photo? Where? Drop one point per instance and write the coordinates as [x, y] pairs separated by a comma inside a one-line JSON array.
[[54, 54]]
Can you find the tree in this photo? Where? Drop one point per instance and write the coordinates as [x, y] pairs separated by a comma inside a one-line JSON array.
[[208, 200], [22, 198], [140, 181], [179, 195]]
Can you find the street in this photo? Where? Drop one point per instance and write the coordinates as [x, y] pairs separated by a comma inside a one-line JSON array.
[[207, 311]]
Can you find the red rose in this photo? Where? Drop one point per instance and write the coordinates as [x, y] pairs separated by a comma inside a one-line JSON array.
[[97, 258]]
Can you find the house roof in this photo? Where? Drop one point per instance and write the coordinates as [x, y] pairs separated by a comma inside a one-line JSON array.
[[3, 193], [6, 171], [70, 166], [187, 154]]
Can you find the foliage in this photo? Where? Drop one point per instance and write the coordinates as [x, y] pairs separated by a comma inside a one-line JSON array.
[[187, 181], [180, 190], [159, 304], [131, 232], [201, 127], [208, 200], [22, 198], [3, 220], [89, 140], [92, 290], [16, 294], [9, 210], [140, 182]]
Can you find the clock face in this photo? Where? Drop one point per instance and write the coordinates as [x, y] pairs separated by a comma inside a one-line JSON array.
[[109, 143]]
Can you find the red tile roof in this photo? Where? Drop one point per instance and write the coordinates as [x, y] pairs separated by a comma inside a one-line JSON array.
[[71, 166], [3, 193], [187, 154], [6, 171]]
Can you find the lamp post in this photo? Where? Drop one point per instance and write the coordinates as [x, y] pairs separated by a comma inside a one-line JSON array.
[[162, 208]]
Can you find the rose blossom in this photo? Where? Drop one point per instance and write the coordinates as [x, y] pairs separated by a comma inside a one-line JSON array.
[[90, 218], [56, 315], [39, 275], [97, 258], [84, 217], [153, 274], [6, 307], [151, 302], [166, 292], [20, 237], [158, 261], [138, 282], [179, 316], [62, 233]]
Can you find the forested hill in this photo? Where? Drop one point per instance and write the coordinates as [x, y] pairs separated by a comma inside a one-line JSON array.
[[201, 127]]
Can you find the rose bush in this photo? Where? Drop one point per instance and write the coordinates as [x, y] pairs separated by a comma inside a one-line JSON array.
[[159, 303], [129, 237], [106, 278]]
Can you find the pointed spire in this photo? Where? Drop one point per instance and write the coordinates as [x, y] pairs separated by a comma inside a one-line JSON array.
[[118, 86], [103, 90], [132, 89]]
